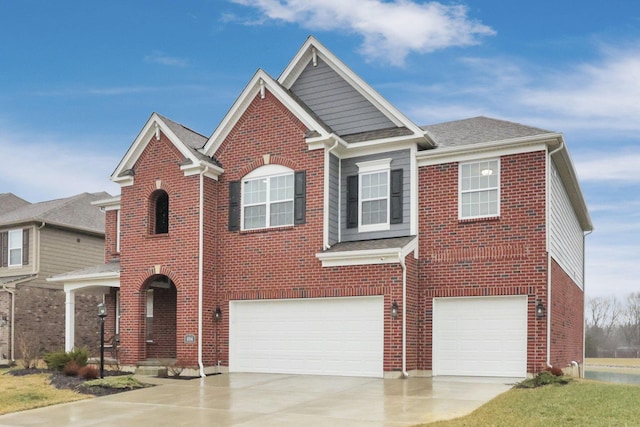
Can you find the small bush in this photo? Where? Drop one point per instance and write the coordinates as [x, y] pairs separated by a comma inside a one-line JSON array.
[[80, 355], [554, 370], [542, 379], [56, 360], [71, 368], [175, 369], [88, 372]]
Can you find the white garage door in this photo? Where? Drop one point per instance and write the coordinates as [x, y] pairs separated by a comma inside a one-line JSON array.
[[323, 336], [484, 336]]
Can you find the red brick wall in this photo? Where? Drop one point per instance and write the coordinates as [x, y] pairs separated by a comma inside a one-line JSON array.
[[567, 314], [501, 256], [175, 252], [281, 263], [110, 236]]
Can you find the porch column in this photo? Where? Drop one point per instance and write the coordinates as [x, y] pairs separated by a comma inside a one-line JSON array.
[[69, 319]]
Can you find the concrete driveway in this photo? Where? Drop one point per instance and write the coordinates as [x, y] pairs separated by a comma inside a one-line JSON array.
[[274, 400]]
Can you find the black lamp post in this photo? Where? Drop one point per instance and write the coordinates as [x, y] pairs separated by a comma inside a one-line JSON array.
[[102, 313]]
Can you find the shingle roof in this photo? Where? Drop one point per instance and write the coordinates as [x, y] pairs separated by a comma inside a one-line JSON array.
[[190, 138], [362, 245], [477, 130], [10, 202], [73, 212], [111, 267]]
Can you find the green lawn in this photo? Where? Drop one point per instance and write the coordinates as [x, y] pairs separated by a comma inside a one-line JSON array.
[[580, 403]]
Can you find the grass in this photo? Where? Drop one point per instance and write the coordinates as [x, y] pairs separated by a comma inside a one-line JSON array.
[[31, 391], [611, 362], [579, 403]]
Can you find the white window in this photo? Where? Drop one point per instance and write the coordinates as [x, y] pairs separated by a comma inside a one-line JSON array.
[[15, 248], [374, 181], [479, 184], [267, 197], [149, 317]]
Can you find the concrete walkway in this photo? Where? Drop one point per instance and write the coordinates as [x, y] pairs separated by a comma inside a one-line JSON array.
[[274, 400]]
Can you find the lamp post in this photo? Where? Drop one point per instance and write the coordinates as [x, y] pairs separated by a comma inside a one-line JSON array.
[[102, 313]]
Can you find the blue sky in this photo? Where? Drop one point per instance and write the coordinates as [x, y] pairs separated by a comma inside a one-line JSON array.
[[78, 80]]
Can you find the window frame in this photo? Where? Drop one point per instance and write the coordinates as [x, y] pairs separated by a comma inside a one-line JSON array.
[[267, 172], [19, 232], [496, 188], [371, 168]]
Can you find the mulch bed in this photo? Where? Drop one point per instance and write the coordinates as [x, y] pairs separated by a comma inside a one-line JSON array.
[[62, 381]]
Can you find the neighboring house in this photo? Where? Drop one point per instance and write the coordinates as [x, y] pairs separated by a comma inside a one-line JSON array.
[[38, 240], [318, 230]]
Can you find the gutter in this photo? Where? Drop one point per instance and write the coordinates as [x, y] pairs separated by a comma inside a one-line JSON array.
[[405, 374], [200, 268]]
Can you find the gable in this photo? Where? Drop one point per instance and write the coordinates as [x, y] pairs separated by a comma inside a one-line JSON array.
[[336, 102]]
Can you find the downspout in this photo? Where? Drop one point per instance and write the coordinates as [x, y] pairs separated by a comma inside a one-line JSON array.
[[13, 323], [327, 162], [548, 318], [200, 269], [405, 374], [584, 300]]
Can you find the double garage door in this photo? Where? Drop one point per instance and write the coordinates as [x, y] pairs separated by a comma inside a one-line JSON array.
[[485, 336], [323, 336]]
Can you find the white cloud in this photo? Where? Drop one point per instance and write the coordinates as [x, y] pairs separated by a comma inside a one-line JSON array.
[[606, 166], [391, 30], [51, 168], [161, 58]]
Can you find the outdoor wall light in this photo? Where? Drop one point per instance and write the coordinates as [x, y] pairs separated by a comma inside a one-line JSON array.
[[394, 309], [3, 320], [102, 310], [540, 310], [217, 315]]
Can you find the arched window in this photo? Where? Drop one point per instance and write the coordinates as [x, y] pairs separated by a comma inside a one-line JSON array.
[[160, 212]]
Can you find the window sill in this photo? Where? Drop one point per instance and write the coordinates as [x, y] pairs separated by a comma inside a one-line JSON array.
[[481, 219], [267, 229]]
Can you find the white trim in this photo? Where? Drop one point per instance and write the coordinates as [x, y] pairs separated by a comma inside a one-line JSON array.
[[20, 233], [304, 56], [246, 98], [149, 131], [368, 256], [108, 204], [370, 168], [461, 191], [463, 153], [118, 230], [70, 279], [267, 172]]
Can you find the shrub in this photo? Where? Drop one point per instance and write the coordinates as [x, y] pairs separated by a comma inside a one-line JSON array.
[[71, 368], [28, 344], [542, 379], [175, 368], [554, 370], [88, 372], [57, 360]]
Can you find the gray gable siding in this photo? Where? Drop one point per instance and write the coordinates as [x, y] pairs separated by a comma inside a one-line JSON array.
[[399, 160], [334, 199], [336, 102]]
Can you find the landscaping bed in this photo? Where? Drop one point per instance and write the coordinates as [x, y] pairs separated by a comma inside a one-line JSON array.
[[113, 382]]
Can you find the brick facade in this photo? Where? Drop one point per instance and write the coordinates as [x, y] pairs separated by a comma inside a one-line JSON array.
[[567, 313]]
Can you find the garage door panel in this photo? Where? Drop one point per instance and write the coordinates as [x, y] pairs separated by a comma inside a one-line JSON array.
[[330, 336], [483, 336]]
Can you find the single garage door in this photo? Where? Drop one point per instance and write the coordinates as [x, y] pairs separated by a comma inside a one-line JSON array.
[[484, 336], [321, 336]]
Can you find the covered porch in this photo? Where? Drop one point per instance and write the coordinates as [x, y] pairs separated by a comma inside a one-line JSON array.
[[98, 278]]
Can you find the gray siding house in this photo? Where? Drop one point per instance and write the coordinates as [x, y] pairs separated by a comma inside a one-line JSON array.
[[37, 241]]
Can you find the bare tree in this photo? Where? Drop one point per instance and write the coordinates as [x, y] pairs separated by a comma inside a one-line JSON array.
[[602, 318], [630, 325]]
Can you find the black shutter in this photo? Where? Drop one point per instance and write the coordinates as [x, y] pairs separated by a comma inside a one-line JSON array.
[[25, 246], [4, 249], [300, 198], [234, 206], [352, 201], [396, 196]]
